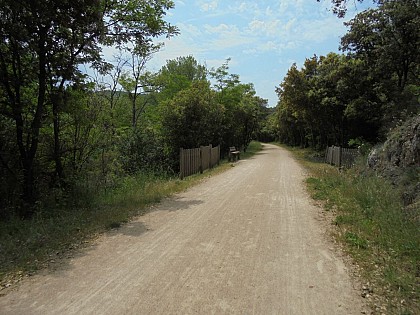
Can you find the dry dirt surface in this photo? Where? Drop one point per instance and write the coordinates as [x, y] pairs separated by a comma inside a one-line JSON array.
[[247, 241]]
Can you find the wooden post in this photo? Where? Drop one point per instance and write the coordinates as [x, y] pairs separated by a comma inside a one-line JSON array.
[[332, 155], [326, 155], [340, 153], [201, 160], [210, 160], [181, 164]]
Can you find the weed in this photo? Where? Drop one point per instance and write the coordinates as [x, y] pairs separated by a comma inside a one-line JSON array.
[[354, 240]]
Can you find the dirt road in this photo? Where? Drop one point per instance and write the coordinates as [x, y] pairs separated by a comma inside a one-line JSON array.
[[248, 241]]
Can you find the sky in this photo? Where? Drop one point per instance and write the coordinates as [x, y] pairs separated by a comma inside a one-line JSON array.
[[263, 38]]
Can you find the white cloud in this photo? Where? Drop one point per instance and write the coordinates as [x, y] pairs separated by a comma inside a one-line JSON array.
[[225, 36], [320, 30], [177, 47], [262, 47], [289, 25], [263, 37], [273, 46], [221, 29], [229, 42], [189, 30], [208, 6], [267, 28], [245, 7], [291, 7], [269, 11]]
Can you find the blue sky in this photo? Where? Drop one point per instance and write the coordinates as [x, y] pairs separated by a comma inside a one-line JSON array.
[[262, 38]]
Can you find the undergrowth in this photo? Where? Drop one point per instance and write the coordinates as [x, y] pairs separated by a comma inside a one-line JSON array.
[[373, 227]]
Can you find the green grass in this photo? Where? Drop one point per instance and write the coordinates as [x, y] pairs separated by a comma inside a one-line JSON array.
[[373, 227], [253, 148], [27, 246]]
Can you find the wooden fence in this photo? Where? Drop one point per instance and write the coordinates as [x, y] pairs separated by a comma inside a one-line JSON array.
[[193, 161], [341, 156]]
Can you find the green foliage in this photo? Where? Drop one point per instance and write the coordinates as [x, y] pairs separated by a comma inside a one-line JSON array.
[[319, 188], [144, 150], [244, 111], [336, 98], [253, 148], [388, 39], [310, 111], [179, 74], [40, 62], [268, 130], [191, 119]]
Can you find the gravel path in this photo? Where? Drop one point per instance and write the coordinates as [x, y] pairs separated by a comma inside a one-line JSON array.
[[248, 241]]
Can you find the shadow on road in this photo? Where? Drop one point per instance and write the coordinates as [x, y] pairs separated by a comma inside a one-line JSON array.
[[59, 266]]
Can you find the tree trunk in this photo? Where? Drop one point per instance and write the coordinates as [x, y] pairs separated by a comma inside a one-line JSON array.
[[28, 150], [59, 170]]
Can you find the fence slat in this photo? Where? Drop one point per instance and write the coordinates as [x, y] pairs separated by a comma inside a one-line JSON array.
[[193, 161], [339, 156]]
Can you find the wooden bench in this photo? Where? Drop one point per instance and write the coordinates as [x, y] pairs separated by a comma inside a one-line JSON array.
[[234, 154]]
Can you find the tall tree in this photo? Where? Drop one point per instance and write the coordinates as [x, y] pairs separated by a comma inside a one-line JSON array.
[[192, 118], [251, 115], [330, 100], [136, 81], [389, 39], [38, 59], [178, 74]]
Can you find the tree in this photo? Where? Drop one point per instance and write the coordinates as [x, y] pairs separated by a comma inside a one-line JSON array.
[[334, 99], [29, 66], [268, 130], [251, 115], [41, 56], [232, 94], [192, 118], [293, 105], [224, 79], [178, 74], [329, 101], [135, 82], [339, 7], [388, 38]]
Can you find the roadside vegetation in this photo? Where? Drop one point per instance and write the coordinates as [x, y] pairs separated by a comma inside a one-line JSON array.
[[371, 223]]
